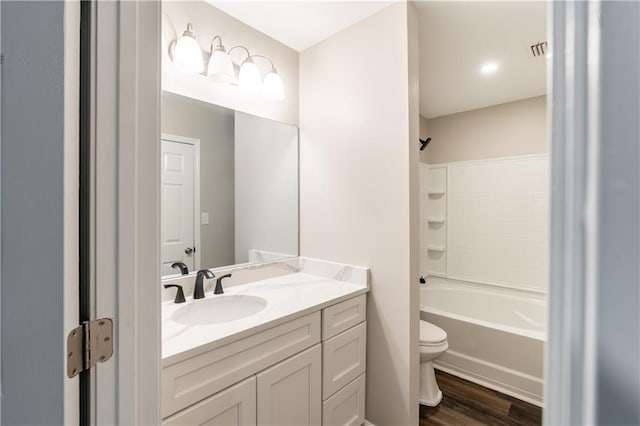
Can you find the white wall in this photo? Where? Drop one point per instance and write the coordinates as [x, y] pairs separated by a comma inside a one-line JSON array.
[[511, 129], [266, 186], [208, 22], [359, 188], [424, 134]]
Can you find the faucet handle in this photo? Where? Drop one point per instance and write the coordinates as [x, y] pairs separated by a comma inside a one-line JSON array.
[[219, 289], [179, 294]]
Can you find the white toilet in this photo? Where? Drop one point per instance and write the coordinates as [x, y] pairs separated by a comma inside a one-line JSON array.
[[433, 343]]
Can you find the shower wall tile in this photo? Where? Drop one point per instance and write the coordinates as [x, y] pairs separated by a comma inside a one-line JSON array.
[[497, 222]]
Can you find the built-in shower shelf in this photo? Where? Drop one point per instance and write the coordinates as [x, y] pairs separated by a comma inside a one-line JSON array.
[[436, 248], [436, 192], [436, 220]]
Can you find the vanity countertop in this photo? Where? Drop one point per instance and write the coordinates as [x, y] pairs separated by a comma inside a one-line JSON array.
[[288, 297]]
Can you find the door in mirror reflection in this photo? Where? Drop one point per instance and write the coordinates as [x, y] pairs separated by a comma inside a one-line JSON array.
[[229, 186], [180, 202]]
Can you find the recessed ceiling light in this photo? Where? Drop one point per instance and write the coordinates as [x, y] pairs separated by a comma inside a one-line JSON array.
[[489, 68]]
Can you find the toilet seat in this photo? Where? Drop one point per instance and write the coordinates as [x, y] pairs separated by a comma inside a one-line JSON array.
[[431, 335]]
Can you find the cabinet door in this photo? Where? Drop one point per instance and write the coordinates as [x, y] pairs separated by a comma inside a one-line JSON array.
[[235, 406], [289, 393]]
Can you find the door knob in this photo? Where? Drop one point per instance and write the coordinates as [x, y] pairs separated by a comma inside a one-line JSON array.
[[189, 250]]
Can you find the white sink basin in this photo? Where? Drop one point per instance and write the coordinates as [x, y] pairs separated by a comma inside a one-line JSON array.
[[219, 309]]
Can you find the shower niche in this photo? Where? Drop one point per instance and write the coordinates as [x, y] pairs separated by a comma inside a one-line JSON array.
[[436, 220]]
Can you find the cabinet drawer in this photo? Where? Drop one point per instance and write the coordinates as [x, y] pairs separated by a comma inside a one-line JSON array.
[[343, 359], [198, 377], [342, 316], [289, 393], [235, 406], [346, 407]]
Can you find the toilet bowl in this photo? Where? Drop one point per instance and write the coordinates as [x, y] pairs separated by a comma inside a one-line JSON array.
[[433, 343]]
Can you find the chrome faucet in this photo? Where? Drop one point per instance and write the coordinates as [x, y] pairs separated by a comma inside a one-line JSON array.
[[198, 289]]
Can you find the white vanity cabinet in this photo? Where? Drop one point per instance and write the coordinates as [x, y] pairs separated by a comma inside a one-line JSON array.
[[344, 347], [233, 406], [307, 371], [289, 393]]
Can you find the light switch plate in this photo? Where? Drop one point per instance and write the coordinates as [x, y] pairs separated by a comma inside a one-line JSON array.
[[205, 218]]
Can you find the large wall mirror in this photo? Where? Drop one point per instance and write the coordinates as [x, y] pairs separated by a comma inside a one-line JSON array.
[[229, 186]]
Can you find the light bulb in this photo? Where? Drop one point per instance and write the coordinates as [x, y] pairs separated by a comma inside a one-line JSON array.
[[187, 55], [272, 89], [220, 67], [249, 78]]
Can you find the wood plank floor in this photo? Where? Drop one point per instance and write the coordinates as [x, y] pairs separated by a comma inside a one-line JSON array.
[[465, 404]]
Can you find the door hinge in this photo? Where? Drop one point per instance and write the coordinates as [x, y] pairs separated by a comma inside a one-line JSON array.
[[89, 344]]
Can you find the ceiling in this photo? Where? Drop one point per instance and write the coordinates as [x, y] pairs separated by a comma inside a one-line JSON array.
[[300, 24], [457, 38]]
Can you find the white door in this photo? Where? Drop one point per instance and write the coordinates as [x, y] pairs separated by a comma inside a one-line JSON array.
[[290, 393], [179, 177]]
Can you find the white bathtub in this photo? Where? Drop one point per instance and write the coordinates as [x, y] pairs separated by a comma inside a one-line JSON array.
[[496, 335]]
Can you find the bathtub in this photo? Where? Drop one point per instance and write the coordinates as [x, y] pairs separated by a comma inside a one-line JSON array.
[[496, 335]]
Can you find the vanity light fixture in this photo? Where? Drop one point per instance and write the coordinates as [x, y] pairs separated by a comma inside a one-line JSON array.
[[220, 67], [187, 55], [249, 77], [272, 88]]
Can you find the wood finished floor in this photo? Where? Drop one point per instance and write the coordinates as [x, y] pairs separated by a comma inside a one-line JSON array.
[[465, 404]]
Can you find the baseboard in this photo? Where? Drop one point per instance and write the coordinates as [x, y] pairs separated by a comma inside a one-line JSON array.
[[510, 382], [367, 423]]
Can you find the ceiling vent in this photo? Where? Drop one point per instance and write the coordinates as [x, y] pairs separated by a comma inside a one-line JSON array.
[[539, 49]]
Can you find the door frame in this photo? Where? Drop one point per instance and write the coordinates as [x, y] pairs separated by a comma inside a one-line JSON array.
[[196, 191], [130, 48], [124, 135], [594, 275]]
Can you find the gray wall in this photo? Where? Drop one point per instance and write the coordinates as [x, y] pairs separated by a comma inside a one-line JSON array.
[[214, 126], [618, 296], [32, 213], [266, 154]]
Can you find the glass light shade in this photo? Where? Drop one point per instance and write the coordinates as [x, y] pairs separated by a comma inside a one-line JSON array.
[[220, 67], [249, 78], [187, 55], [272, 89]]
